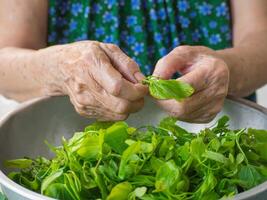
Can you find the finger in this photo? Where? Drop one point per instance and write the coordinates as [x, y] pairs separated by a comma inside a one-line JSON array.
[[132, 92], [188, 105], [102, 98], [208, 111], [200, 74], [204, 114], [189, 108], [96, 111], [124, 64], [111, 80], [196, 78], [117, 104], [178, 59], [106, 101], [97, 96], [105, 115]]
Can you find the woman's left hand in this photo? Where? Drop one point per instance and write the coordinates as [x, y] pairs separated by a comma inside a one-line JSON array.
[[206, 72]]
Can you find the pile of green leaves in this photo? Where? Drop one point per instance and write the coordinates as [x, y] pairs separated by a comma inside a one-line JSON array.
[[168, 89], [115, 161]]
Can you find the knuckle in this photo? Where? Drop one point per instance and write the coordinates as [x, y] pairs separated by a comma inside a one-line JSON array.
[[112, 47], [84, 100], [79, 106], [122, 107], [173, 114], [79, 110], [183, 48], [182, 109], [129, 63], [88, 112], [178, 110], [126, 61], [93, 43], [161, 61], [115, 87], [80, 99]]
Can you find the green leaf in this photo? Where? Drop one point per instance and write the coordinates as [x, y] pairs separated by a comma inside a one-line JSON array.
[[168, 89], [222, 123], [138, 192], [197, 148], [50, 179], [18, 163], [258, 135], [239, 158], [140, 180], [120, 191], [96, 126], [166, 176], [215, 144], [207, 185], [125, 169], [99, 179], [116, 135], [249, 176], [218, 157], [58, 191], [91, 146]]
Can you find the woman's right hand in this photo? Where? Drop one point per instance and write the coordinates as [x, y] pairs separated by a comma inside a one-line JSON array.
[[101, 81]]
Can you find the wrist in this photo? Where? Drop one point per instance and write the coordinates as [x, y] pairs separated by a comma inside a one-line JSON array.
[[47, 72], [235, 64]]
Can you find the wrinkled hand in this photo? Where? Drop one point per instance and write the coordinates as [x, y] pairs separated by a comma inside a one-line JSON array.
[[101, 81], [206, 72]]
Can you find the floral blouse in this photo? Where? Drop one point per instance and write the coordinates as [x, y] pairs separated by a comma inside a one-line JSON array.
[[146, 30]]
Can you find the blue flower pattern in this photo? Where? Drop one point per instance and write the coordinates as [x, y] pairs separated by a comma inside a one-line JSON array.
[[147, 29]]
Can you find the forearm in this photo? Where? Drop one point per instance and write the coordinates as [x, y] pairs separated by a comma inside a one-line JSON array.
[[247, 62], [20, 74]]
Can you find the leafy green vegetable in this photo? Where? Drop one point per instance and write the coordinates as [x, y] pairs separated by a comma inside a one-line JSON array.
[[168, 89], [166, 176], [120, 191], [116, 161], [19, 163]]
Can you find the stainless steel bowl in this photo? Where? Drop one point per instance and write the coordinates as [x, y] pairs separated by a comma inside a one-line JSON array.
[[22, 133]]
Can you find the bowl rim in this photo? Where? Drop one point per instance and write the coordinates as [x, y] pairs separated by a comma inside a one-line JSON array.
[[22, 191]]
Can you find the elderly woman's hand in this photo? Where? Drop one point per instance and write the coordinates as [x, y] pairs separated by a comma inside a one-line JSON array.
[[206, 72], [101, 81]]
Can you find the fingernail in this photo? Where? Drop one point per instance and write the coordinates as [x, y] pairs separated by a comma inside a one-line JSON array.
[[139, 76]]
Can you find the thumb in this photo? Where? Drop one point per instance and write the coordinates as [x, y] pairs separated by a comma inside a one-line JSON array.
[[177, 60]]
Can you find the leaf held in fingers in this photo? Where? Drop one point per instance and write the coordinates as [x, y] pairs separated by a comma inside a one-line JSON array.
[[168, 89]]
